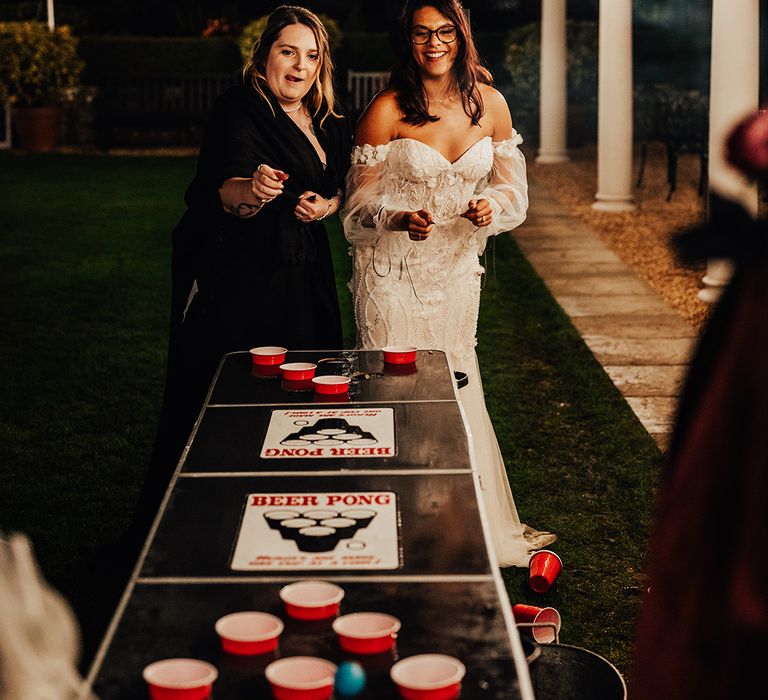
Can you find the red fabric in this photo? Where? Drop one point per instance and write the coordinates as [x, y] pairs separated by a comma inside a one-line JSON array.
[[703, 629]]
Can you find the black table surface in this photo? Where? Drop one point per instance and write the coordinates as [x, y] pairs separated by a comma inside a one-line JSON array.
[[177, 620], [246, 427], [441, 584], [239, 382]]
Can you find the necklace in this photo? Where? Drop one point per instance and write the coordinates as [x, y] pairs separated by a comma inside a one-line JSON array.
[[442, 101], [295, 109]]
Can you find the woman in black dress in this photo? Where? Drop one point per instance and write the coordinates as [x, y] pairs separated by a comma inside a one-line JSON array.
[[251, 259]]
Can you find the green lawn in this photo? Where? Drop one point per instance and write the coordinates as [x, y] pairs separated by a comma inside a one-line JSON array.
[[85, 293]]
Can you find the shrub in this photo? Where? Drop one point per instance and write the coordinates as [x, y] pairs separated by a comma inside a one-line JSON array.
[[37, 65], [522, 62], [252, 31], [107, 57]]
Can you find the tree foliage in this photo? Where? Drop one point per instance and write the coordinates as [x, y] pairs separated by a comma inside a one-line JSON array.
[[37, 64], [523, 61], [253, 30]]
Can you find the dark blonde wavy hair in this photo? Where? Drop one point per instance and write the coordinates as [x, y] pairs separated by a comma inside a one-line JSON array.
[[467, 68], [320, 99]]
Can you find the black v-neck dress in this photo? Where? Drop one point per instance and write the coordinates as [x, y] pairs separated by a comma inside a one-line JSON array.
[[266, 280]]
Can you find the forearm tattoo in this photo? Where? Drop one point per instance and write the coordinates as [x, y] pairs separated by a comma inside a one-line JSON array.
[[245, 210]]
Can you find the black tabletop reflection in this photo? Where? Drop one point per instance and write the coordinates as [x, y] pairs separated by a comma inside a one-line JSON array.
[[427, 436], [241, 382], [439, 530], [172, 620]]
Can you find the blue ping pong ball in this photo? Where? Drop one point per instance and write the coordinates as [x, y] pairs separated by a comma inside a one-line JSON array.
[[350, 679]]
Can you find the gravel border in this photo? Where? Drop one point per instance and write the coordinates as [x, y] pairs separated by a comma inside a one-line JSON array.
[[639, 238]]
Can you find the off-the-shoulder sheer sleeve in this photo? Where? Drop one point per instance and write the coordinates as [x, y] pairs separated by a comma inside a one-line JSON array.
[[506, 189], [365, 214]]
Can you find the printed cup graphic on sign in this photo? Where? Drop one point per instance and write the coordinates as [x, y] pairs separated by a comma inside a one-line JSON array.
[[329, 433], [313, 534], [338, 530]]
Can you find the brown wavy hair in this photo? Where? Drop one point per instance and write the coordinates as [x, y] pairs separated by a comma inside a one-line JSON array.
[[467, 69], [320, 99]]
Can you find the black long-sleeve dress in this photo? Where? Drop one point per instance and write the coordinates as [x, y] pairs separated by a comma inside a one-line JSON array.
[[239, 283]]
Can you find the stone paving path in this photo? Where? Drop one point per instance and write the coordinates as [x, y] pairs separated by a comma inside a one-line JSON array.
[[642, 344]]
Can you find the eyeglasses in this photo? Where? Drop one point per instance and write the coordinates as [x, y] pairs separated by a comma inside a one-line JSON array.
[[422, 35]]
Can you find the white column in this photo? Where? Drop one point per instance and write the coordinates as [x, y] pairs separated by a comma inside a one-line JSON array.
[[552, 92], [733, 93], [614, 107], [51, 18]]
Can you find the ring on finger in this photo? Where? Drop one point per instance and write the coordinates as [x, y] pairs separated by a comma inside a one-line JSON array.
[[481, 219]]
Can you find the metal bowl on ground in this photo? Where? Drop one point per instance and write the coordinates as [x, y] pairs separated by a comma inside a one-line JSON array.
[[564, 672]]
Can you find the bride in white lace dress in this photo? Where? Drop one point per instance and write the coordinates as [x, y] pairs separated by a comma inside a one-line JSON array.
[[435, 172]]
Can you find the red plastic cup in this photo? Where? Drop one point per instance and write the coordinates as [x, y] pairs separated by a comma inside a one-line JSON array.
[[366, 632], [331, 384], [531, 614], [268, 355], [312, 600], [301, 678], [428, 677], [249, 632], [399, 354], [543, 568], [296, 371], [180, 679]]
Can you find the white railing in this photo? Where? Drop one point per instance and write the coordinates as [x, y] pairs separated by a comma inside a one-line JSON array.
[[363, 85]]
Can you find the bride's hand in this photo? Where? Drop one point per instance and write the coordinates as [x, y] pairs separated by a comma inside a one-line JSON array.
[[479, 212], [418, 224]]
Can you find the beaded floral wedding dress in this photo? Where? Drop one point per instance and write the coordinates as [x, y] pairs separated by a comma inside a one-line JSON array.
[[427, 293]]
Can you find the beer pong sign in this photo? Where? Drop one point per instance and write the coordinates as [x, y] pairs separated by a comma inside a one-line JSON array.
[[330, 434], [318, 531]]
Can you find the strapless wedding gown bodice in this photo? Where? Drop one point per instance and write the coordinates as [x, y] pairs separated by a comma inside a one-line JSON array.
[[427, 293]]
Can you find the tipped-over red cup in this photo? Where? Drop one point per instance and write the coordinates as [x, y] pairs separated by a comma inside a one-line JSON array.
[[545, 617], [543, 568], [180, 679]]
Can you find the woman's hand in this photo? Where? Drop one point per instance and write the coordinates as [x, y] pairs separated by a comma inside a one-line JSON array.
[[313, 207], [479, 212], [267, 183], [244, 197], [417, 223]]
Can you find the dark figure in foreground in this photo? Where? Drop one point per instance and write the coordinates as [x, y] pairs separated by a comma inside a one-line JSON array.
[[703, 630], [251, 259]]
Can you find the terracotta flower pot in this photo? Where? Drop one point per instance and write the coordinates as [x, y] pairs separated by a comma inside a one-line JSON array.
[[37, 128]]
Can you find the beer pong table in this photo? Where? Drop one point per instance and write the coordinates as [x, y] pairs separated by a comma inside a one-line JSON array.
[[260, 446]]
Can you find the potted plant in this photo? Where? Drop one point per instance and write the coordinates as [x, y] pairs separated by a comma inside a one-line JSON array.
[[37, 66]]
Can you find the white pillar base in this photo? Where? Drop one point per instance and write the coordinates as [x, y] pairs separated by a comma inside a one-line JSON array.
[[613, 203], [552, 157], [718, 275], [709, 295]]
